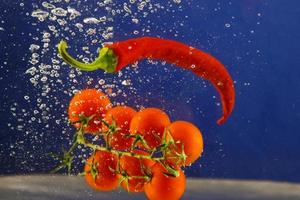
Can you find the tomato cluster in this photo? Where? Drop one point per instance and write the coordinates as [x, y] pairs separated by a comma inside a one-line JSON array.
[[144, 150]]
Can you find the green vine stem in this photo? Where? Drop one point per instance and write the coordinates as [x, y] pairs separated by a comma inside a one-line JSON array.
[[80, 139]]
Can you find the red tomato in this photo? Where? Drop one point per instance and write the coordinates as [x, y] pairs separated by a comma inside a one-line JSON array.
[[89, 102], [122, 116], [150, 123], [133, 167], [104, 163], [165, 187], [188, 135]]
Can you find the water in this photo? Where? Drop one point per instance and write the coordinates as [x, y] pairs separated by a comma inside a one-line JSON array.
[[256, 40]]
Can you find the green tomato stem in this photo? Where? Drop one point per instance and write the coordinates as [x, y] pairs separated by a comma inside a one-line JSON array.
[[80, 139]]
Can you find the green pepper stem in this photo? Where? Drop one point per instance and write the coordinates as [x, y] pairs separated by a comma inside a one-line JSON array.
[[106, 60]]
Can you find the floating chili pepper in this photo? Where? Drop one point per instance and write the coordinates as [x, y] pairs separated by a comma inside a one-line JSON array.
[[118, 55]]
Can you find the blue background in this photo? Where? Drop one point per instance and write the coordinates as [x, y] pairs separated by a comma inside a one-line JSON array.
[[261, 139]]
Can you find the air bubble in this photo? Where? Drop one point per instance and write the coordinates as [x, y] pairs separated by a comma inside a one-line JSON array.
[[44, 79], [227, 25], [46, 35], [101, 82], [31, 71], [40, 14], [48, 5], [61, 22], [126, 82], [73, 13], [102, 19], [52, 28], [59, 12], [79, 26], [127, 9], [91, 31], [90, 20], [134, 20]]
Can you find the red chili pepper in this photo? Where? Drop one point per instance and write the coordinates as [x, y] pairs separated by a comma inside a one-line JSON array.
[[115, 57]]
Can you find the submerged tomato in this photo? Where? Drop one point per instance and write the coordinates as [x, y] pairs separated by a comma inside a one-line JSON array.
[[137, 168], [189, 137], [163, 187], [103, 164], [151, 124], [88, 102], [122, 116]]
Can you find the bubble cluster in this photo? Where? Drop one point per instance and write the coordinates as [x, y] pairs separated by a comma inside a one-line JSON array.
[[39, 112], [53, 82]]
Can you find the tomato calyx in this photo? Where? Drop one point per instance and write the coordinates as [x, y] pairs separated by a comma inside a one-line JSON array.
[[93, 169], [85, 120], [138, 138], [178, 154], [112, 129], [182, 156], [125, 177]]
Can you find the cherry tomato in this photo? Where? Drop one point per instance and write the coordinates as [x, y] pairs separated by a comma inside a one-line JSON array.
[[122, 116], [185, 135], [103, 164], [89, 102], [165, 187], [151, 124], [135, 167]]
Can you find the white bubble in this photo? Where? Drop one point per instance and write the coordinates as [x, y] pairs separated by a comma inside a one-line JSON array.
[[102, 19], [40, 14], [73, 13], [61, 22], [91, 31], [72, 75], [59, 12], [90, 20], [46, 35], [52, 28], [79, 26], [126, 82], [134, 20], [127, 9], [227, 25], [48, 5], [44, 79], [31, 71], [101, 82]]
